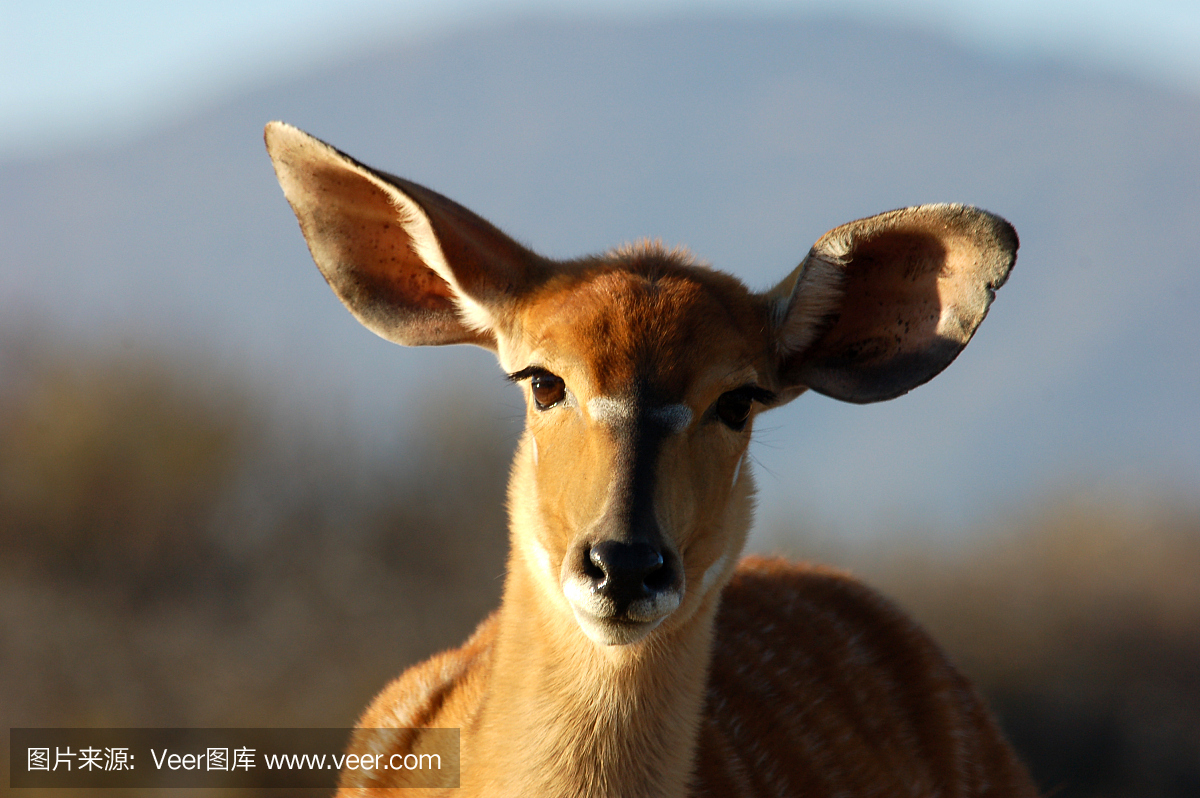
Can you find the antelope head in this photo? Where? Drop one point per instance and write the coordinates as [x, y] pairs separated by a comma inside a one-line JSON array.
[[643, 372]]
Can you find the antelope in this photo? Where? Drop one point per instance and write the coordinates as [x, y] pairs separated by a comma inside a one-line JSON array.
[[632, 653]]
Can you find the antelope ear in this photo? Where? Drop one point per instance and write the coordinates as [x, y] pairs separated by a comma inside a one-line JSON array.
[[881, 305], [411, 265]]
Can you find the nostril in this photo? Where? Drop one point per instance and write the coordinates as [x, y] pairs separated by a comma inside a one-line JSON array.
[[627, 570], [660, 579], [593, 567]]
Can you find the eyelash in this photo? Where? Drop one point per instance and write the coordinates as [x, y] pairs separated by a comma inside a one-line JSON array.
[[548, 389]]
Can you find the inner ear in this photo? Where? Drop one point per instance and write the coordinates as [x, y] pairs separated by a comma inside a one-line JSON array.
[[410, 264], [899, 271], [358, 238], [883, 304]]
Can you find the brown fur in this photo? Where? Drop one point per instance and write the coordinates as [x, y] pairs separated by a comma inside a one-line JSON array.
[[778, 679]]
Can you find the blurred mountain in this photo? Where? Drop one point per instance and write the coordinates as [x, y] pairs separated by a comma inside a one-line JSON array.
[[744, 139]]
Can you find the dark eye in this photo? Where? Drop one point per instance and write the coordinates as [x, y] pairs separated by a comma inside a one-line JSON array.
[[733, 408], [548, 390]]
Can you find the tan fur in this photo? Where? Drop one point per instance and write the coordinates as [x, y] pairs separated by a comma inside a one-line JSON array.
[[779, 679]]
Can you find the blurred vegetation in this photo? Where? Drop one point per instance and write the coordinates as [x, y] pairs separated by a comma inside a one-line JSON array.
[[170, 555]]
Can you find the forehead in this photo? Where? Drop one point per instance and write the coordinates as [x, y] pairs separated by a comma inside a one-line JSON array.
[[648, 326]]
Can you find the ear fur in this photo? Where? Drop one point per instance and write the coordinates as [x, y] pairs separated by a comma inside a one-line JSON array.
[[411, 265], [883, 304]]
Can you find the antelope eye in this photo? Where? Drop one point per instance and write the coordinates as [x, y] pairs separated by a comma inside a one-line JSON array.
[[733, 408], [548, 390]]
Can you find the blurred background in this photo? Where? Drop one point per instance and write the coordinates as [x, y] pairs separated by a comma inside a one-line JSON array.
[[224, 503]]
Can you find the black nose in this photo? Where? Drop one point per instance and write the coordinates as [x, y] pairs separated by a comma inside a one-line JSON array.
[[627, 572]]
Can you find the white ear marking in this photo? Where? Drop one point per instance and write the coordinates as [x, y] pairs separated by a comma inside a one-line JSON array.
[[816, 294], [427, 247]]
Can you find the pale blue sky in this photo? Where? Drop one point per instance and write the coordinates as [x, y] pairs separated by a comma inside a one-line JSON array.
[[79, 71]]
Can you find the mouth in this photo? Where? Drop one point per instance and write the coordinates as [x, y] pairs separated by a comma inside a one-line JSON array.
[[607, 624], [613, 630]]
